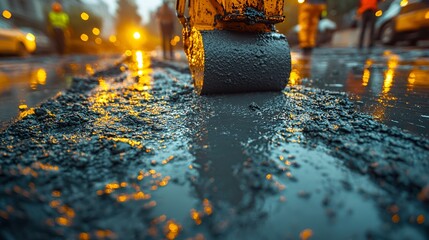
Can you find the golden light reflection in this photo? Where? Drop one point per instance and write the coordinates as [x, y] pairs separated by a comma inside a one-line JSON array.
[[411, 81], [196, 59], [208, 208], [84, 236], [45, 166], [139, 58], [41, 76], [420, 219], [417, 78], [172, 229], [389, 77], [23, 107], [196, 216], [388, 81], [89, 69], [102, 234], [365, 78], [396, 218], [141, 67], [56, 194], [38, 77], [306, 234], [392, 64], [294, 77], [63, 221], [300, 69]]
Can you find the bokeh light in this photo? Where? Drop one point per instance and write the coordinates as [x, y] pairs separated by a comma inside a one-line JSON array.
[[7, 14], [84, 16], [84, 37], [98, 41], [112, 39], [96, 31]]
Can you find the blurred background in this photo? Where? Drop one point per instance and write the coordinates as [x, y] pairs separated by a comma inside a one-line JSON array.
[[117, 25], [95, 25]]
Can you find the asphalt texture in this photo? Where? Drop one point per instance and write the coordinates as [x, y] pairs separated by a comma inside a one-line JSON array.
[[133, 153]]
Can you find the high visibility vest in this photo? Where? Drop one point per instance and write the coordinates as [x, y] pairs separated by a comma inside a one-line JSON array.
[[367, 5], [59, 19]]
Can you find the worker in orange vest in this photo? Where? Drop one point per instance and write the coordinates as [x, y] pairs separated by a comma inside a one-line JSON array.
[[308, 19], [366, 12]]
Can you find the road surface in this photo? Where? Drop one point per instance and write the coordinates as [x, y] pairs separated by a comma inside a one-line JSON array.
[[135, 154]]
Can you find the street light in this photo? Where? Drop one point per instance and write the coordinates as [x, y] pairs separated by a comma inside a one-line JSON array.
[[84, 16], [137, 35]]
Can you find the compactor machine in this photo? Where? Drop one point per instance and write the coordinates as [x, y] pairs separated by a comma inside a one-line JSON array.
[[233, 46]]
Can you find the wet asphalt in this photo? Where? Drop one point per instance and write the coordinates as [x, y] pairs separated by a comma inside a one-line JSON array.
[[26, 82], [133, 153], [389, 84]]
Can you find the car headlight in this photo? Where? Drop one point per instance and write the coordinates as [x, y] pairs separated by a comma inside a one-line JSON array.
[[30, 37]]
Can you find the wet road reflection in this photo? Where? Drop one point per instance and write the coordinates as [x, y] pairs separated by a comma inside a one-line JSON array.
[[25, 83], [392, 86], [254, 182], [144, 157]]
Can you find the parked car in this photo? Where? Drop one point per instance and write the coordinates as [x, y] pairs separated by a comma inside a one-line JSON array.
[[14, 41], [404, 20], [43, 42], [326, 30]]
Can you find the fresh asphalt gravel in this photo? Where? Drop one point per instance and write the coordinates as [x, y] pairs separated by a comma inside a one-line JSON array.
[[133, 153]]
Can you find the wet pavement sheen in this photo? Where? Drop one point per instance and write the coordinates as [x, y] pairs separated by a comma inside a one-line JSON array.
[[136, 154], [26, 82], [390, 85]]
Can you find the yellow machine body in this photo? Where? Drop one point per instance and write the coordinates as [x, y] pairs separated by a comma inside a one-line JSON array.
[[217, 32], [232, 14]]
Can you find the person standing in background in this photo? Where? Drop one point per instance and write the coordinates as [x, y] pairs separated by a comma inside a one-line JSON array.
[[308, 19], [366, 12], [166, 18], [59, 22]]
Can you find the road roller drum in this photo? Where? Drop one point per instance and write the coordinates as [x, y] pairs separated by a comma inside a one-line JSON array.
[[232, 45]]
